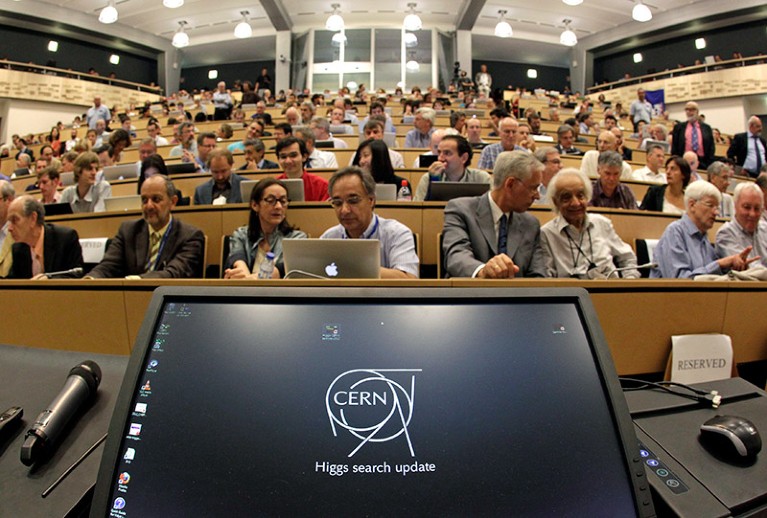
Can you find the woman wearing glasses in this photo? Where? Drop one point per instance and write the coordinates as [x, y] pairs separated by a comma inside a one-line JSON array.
[[266, 229]]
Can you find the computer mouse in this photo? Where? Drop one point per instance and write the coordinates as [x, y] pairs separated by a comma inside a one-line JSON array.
[[731, 436]]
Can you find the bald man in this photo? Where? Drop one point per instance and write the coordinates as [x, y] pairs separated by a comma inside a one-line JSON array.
[[749, 149], [693, 135], [606, 141]]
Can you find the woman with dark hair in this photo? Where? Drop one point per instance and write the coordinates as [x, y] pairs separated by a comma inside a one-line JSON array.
[[669, 198], [373, 156], [152, 165], [55, 140], [267, 227]]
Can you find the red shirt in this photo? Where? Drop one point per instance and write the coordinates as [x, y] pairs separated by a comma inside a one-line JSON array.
[[315, 187]]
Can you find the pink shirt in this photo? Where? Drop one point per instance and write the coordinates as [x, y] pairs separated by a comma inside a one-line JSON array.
[[693, 126]]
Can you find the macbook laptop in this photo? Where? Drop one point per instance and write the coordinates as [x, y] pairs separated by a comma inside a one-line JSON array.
[[332, 258], [412, 401], [386, 192], [57, 209], [295, 189], [446, 191], [121, 172], [67, 179], [123, 203]]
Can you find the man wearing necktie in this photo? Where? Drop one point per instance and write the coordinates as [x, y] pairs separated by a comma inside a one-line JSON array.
[[693, 135], [156, 246], [491, 236], [749, 149]]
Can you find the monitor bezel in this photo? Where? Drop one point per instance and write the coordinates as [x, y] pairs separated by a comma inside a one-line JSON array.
[[600, 352]]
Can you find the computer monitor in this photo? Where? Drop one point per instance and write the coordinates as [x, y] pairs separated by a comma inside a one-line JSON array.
[[370, 401]]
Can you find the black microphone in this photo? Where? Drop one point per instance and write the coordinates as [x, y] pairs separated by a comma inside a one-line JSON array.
[[72, 272], [80, 387]]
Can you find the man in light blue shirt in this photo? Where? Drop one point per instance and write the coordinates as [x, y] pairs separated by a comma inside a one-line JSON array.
[[420, 136], [684, 250]]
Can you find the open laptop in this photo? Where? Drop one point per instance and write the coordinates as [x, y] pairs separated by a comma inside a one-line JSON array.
[[182, 168], [332, 258], [57, 209], [67, 179], [446, 191], [121, 172], [295, 189], [386, 192], [285, 401], [662, 143], [122, 203]]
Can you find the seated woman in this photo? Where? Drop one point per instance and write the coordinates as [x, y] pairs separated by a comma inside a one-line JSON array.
[[669, 198], [155, 164], [267, 227], [373, 156]]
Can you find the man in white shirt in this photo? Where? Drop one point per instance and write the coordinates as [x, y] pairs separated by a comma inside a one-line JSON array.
[[317, 159], [153, 130], [747, 228], [651, 171], [720, 174]]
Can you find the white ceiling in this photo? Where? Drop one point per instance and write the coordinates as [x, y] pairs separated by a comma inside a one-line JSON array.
[[536, 25]]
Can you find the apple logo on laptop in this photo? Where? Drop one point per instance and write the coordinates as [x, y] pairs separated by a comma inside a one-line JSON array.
[[331, 270]]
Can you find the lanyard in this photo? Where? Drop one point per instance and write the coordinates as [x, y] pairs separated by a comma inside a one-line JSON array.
[[372, 232], [149, 266], [580, 250]]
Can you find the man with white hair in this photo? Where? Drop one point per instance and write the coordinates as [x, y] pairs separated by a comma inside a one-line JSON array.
[[606, 141], [321, 129], [749, 149], [684, 250], [719, 174], [507, 130], [578, 244], [307, 112], [420, 135], [653, 162], [747, 228], [222, 102]]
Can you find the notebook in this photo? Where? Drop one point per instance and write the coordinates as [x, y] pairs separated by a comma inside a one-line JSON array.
[[333, 258]]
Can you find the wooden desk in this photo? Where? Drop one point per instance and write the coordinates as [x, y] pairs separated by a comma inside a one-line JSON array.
[[638, 317]]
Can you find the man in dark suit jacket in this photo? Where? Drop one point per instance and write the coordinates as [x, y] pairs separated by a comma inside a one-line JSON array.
[[679, 142], [749, 149], [223, 184], [474, 244], [157, 246], [40, 248]]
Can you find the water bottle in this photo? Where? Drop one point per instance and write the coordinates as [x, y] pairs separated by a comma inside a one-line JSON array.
[[267, 267], [404, 192]]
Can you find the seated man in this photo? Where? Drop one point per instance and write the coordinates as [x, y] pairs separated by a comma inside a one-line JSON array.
[[254, 156], [720, 174], [254, 130], [420, 135], [7, 193], [565, 139], [491, 236], [318, 159], [321, 128], [474, 133], [156, 246], [206, 142], [651, 171], [224, 185], [577, 244], [40, 247], [507, 130], [453, 158], [187, 144], [436, 138], [87, 195], [608, 189], [552, 163], [606, 141], [292, 154], [352, 194], [748, 228], [684, 250], [374, 129], [48, 182]]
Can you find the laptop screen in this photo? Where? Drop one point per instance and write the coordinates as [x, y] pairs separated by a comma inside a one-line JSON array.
[[369, 402]]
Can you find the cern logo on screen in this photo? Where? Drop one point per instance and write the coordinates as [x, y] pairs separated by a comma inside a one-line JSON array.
[[373, 405]]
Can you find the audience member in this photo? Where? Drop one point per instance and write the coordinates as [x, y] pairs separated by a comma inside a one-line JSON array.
[[157, 245], [684, 250], [254, 156], [40, 247], [474, 133], [640, 110], [187, 146], [720, 175], [606, 141], [374, 129], [317, 159], [577, 244], [491, 236], [267, 227], [693, 135], [552, 164], [206, 142], [292, 155], [222, 102], [508, 132], [565, 139], [653, 162], [420, 135], [88, 194], [48, 182], [96, 113], [7, 194], [749, 149], [747, 229], [224, 185], [321, 129], [608, 190], [669, 197], [372, 156], [452, 165], [352, 194]]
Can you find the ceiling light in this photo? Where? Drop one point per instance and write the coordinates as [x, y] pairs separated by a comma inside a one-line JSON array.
[[641, 12], [573, 2], [172, 4], [53, 46], [411, 40], [243, 29], [351, 85], [339, 39], [114, 59], [334, 22], [568, 37], [503, 29], [532, 73], [213, 74], [109, 13], [412, 66], [412, 21], [700, 43], [638, 57], [181, 38]]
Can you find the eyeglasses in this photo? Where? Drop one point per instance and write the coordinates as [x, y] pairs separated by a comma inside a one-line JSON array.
[[351, 201], [272, 200]]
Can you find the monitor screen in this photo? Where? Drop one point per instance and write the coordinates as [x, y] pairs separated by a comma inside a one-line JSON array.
[[369, 402]]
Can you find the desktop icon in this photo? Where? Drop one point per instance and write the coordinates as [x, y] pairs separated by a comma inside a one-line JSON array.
[[124, 478], [130, 454], [135, 429], [140, 408], [119, 503]]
